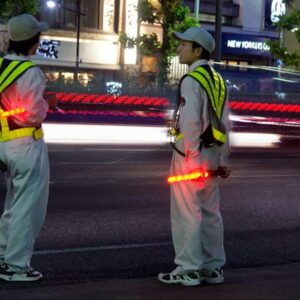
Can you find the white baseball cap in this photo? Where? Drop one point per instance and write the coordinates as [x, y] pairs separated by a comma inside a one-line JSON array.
[[24, 27], [198, 35]]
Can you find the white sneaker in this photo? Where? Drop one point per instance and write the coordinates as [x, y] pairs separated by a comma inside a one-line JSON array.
[[9, 275], [189, 278], [212, 276]]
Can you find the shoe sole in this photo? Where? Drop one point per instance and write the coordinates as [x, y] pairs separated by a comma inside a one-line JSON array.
[[212, 281], [193, 283], [19, 278]]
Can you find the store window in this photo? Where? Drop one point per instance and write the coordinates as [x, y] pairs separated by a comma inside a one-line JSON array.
[[212, 19], [92, 18], [96, 15], [90, 10]]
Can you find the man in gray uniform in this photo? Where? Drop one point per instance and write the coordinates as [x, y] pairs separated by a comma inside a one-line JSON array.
[[23, 152], [200, 129]]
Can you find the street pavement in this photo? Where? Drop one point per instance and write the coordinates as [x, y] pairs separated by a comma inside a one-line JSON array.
[[278, 282], [111, 246]]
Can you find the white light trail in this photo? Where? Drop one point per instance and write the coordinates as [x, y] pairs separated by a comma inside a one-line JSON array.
[[147, 135], [244, 139], [104, 134]]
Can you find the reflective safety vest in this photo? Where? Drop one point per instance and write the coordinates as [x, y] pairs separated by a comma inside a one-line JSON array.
[[216, 90], [10, 71]]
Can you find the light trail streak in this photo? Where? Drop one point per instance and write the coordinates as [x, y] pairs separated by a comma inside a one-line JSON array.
[[147, 135]]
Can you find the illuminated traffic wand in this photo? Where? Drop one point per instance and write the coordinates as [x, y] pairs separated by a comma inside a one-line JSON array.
[[12, 112], [197, 175], [5, 114]]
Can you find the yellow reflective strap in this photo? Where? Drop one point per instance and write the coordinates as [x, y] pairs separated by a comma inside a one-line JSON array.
[[217, 93], [222, 95], [219, 136], [4, 124], [173, 131], [179, 136], [206, 86], [21, 132], [217, 86], [38, 134], [6, 72], [223, 89], [12, 71], [216, 90], [211, 83]]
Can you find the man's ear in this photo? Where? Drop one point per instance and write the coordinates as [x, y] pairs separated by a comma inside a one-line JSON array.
[[199, 51], [34, 48]]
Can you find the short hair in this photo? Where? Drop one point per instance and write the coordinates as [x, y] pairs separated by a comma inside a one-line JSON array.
[[23, 47], [205, 54]]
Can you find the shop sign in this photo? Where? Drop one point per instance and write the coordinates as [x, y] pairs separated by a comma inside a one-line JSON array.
[[237, 44], [49, 48], [245, 44]]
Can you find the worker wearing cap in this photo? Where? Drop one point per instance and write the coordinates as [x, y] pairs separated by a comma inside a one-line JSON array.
[[200, 129], [23, 152]]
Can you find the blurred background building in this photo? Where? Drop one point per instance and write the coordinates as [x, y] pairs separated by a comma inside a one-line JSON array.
[[289, 39], [245, 27], [113, 85]]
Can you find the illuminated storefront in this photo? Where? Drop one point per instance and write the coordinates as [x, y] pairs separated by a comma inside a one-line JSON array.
[[244, 48]]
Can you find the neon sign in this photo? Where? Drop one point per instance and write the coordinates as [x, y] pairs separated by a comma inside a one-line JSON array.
[[278, 9], [238, 44]]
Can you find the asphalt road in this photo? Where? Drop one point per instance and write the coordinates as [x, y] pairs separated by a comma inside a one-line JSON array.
[[108, 214]]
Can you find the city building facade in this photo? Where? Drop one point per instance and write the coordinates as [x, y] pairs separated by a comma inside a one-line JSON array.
[[246, 25], [94, 46]]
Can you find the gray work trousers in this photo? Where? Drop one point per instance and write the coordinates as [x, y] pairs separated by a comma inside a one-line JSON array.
[[26, 199], [196, 223]]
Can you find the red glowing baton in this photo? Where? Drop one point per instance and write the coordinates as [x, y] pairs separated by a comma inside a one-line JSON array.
[[197, 175], [12, 112]]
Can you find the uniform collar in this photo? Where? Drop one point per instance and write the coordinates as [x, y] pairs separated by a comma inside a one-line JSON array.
[[198, 63], [16, 57]]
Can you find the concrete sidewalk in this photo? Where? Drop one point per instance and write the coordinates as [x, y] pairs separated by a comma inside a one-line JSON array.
[[280, 282]]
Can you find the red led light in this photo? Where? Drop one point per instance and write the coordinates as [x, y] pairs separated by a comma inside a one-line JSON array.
[[257, 106], [110, 99], [12, 112], [197, 175]]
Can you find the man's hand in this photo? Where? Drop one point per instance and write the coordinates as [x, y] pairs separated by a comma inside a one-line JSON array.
[[3, 167], [224, 171], [51, 99]]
